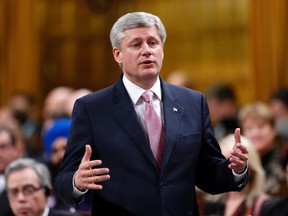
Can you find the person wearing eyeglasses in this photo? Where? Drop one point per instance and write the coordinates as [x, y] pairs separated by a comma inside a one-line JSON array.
[[28, 186], [11, 148]]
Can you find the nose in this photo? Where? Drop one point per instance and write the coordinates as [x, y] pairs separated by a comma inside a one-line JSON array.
[[20, 196], [146, 50]]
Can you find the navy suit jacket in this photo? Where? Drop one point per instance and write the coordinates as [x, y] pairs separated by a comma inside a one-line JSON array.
[[108, 122]]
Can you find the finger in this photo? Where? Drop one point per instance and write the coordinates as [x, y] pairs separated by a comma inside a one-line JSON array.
[[98, 179], [88, 153], [237, 135], [94, 172], [237, 165], [92, 182], [242, 148], [235, 158]]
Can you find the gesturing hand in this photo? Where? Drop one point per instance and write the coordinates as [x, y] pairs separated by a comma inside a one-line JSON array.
[[88, 175], [239, 154]]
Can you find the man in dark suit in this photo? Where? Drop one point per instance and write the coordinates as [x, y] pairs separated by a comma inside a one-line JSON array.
[[108, 151]]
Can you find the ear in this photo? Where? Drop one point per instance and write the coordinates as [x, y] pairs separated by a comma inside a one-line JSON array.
[[117, 55]]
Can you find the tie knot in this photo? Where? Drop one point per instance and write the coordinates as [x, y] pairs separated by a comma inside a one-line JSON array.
[[147, 96]]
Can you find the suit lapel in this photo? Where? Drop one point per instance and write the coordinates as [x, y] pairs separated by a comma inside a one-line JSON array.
[[172, 116], [126, 116]]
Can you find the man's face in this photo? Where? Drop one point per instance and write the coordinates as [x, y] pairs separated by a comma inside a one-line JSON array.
[[8, 151], [25, 193], [141, 55]]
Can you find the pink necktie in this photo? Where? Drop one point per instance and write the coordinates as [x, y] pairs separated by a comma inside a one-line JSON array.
[[154, 127]]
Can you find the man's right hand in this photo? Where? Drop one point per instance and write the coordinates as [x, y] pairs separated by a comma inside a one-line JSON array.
[[88, 176]]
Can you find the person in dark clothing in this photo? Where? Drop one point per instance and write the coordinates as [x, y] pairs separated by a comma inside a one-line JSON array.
[[110, 151]]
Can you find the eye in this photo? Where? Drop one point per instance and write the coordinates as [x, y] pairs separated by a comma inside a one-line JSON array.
[[29, 189], [135, 45], [153, 43], [12, 192]]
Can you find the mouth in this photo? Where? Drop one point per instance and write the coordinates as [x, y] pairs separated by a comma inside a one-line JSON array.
[[23, 210], [147, 63]]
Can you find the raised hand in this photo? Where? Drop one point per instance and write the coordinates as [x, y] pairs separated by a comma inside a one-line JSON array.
[[88, 175], [239, 154]]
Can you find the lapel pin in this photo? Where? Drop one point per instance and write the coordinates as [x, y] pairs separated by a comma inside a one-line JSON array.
[[175, 109]]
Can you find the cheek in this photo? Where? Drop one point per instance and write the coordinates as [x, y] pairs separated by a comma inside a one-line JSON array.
[[39, 203], [270, 136], [13, 205], [160, 56], [61, 154], [247, 133]]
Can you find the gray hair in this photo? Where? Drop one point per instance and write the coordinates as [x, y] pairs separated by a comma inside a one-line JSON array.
[[132, 21], [40, 169]]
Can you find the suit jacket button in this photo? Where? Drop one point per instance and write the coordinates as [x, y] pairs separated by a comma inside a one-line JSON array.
[[162, 185]]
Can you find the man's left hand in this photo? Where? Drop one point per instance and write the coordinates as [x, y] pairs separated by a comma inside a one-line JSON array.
[[239, 154]]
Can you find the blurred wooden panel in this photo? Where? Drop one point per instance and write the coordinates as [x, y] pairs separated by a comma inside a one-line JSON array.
[[210, 40], [46, 43], [20, 56], [75, 48], [269, 27]]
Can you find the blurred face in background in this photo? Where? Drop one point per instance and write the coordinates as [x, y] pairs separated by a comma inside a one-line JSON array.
[[260, 132], [25, 193], [58, 150], [279, 109], [8, 150]]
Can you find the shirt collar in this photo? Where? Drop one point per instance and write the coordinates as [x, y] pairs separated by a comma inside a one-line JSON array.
[[135, 91], [46, 211]]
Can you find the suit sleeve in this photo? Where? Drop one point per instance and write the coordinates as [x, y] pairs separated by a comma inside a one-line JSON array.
[[79, 136], [213, 175]]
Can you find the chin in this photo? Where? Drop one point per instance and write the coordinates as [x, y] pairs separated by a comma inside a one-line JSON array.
[[150, 73]]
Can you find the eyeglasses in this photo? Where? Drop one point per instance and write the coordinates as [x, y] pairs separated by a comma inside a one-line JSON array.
[[26, 191]]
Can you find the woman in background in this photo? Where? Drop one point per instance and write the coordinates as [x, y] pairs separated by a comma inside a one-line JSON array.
[[250, 199], [258, 124]]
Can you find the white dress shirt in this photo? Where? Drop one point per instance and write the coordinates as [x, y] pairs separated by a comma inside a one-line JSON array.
[[135, 93]]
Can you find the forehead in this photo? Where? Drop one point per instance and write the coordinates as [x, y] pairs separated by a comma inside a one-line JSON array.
[[255, 121], [142, 32], [59, 143], [19, 178]]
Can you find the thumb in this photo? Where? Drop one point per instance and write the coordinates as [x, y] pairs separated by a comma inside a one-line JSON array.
[[237, 135], [88, 153]]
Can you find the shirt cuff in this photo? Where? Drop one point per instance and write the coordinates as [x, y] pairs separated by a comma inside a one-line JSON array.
[[77, 194], [239, 178]]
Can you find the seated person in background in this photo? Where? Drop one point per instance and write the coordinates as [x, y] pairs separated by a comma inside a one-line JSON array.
[[180, 78], [69, 103], [258, 124], [28, 187], [25, 110], [276, 206], [55, 105], [279, 106], [11, 148], [223, 107], [55, 141], [250, 199]]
